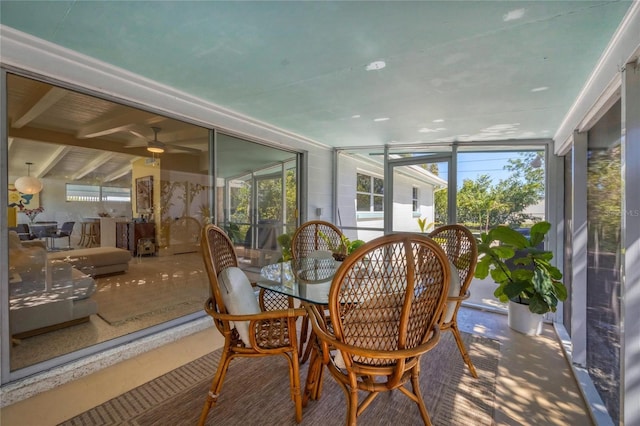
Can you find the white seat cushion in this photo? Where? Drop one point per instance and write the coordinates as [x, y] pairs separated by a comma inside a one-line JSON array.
[[238, 297], [454, 291]]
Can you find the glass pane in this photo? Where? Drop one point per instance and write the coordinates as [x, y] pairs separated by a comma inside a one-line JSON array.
[[378, 186], [355, 210], [603, 258], [110, 193], [364, 202], [364, 183], [256, 211], [156, 275], [495, 187], [90, 193], [378, 203], [429, 182]]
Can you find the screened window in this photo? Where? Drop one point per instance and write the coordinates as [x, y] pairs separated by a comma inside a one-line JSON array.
[[96, 193], [369, 193], [414, 198]]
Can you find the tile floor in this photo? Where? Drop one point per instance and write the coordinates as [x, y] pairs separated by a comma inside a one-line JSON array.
[[534, 386]]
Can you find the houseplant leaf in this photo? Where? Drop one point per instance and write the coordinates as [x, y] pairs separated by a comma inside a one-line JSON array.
[[509, 236]]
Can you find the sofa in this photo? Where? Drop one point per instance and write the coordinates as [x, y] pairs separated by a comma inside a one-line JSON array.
[[45, 294], [95, 261]]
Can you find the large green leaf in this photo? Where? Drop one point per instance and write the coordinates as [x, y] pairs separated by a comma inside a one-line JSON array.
[[522, 275], [513, 289], [499, 275], [503, 252], [538, 306], [538, 231], [561, 290], [482, 268], [508, 236]]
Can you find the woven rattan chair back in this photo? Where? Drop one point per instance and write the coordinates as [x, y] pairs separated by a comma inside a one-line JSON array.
[[385, 302], [272, 332], [218, 254], [308, 238], [312, 236], [460, 246]]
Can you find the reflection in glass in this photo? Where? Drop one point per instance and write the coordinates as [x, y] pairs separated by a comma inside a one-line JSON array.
[[257, 187], [603, 273], [58, 307]]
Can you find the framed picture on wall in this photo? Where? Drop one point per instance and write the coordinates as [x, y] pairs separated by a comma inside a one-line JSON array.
[[22, 201], [144, 194]]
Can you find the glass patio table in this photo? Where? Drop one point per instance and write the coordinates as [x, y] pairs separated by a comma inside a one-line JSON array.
[[308, 280]]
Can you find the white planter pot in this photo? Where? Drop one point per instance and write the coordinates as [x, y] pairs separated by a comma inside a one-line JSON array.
[[524, 321]]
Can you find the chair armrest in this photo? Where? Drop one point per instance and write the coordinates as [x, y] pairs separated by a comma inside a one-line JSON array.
[[459, 298], [265, 328]]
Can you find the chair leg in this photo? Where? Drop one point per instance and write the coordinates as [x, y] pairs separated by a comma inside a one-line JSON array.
[[463, 350], [415, 383], [294, 383], [216, 385], [352, 409]]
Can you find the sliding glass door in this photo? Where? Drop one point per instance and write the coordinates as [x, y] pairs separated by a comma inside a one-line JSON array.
[[258, 194]]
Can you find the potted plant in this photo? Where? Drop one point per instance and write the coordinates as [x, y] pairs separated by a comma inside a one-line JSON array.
[[344, 249], [524, 274]]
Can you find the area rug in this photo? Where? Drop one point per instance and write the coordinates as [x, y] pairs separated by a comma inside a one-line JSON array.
[[150, 287], [256, 392]]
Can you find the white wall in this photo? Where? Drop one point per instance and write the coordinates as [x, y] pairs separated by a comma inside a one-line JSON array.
[[56, 208]]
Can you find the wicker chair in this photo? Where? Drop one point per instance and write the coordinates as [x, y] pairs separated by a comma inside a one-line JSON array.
[[385, 303], [270, 332], [460, 247], [307, 238], [305, 241]]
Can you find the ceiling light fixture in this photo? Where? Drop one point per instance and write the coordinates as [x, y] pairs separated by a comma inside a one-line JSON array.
[[376, 65], [28, 184], [381, 119], [155, 145], [540, 89]]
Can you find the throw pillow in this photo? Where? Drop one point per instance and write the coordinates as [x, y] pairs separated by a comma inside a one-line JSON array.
[[239, 298], [454, 291]]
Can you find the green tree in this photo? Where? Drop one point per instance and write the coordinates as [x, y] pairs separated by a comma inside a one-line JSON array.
[[483, 204]]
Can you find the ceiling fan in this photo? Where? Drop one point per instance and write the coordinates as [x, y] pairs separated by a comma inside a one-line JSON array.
[[158, 147]]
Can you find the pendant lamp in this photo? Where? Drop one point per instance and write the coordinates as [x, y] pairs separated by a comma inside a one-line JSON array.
[[28, 184]]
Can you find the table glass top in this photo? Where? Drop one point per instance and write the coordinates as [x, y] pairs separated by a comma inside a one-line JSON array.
[[306, 279]]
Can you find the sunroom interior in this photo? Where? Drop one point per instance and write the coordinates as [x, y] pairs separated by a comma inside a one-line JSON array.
[[256, 173]]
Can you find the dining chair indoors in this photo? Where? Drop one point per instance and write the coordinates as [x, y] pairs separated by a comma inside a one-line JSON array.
[[307, 240], [65, 231], [385, 303], [460, 247], [248, 331]]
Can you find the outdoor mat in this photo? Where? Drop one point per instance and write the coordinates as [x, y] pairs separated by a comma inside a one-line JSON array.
[[256, 392]]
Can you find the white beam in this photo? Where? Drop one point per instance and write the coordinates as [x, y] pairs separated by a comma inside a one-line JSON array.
[[121, 171], [51, 162], [112, 125], [38, 104], [97, 162]]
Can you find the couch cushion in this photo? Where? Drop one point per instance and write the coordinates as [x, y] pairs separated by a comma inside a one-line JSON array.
[[94, 256], [238, 297]]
